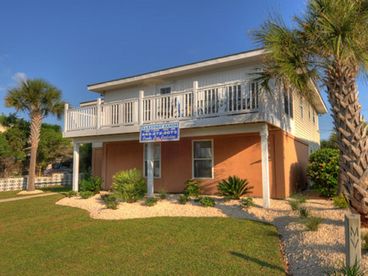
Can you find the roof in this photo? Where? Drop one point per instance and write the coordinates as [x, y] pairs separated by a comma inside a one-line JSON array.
[[177, 70]]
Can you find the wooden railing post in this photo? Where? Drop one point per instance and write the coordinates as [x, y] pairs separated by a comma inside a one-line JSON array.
[[195, 100], [98, 114], [140, 107], [66, 107]]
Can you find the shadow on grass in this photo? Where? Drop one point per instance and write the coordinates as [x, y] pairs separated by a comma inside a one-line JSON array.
[[57, 189], [257, 261]]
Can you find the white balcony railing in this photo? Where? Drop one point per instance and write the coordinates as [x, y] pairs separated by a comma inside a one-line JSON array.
[[197, 103]]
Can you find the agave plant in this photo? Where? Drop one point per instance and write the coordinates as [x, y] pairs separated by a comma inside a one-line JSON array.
[[234, 187]]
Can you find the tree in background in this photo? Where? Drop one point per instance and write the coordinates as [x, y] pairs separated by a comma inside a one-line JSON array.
[[331, 142], [38, 99], [329, 46]]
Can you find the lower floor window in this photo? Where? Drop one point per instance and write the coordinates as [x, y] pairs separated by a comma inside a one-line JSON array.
[[156, 160], [202, 159]]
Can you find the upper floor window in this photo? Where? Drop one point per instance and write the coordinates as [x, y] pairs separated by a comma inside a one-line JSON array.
[[301, 106], [314, 116], [309, 112], [165, 90], [288, 103], [156, 160]]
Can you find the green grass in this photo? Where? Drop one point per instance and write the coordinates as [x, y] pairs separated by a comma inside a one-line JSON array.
[[38, 237], [55, 189], [8, 194]]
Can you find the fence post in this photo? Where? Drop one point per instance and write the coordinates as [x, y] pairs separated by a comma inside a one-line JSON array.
[[195, 100], [98, 114], [140, 107], [352, 240]]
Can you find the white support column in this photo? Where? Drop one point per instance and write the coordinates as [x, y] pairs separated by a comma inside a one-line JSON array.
[[195, 90], [150, 179], [75, 167], [265, 167], [98, 114], [140, 107], [66, 107]]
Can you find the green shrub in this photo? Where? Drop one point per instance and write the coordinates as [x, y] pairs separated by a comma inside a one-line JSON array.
[[294, 204], [246, 202], [91, 184], [234, 187], [312, 223], [192, 188], [365, 241], [340, 202], [183, 199], [129, 185], [354, 270], [111, 201], [207, 201], [162, 195], [86, 194], [323, 170], [70, 193], [150, 201], [303, 212], [299, 197]]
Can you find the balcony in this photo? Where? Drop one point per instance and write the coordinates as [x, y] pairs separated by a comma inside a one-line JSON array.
[[189, 107]]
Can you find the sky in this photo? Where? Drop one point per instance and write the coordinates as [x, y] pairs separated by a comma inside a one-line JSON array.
[[73, 43]]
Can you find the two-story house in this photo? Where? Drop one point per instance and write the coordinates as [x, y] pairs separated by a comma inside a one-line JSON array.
[[216, 118]]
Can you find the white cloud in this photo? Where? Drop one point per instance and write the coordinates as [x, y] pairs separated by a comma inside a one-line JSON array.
[[20, 77]]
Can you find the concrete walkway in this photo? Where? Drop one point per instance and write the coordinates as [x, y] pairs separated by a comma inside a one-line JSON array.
[[26, 197]]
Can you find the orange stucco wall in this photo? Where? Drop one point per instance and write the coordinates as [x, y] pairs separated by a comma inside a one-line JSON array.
[[97, 158], [233, 155]]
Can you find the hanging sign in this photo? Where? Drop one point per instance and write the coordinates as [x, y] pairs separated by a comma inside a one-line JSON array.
[[159, 132]]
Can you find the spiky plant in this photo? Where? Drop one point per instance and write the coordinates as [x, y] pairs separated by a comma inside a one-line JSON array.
[[328, 46], [39, 99], [234, 187]]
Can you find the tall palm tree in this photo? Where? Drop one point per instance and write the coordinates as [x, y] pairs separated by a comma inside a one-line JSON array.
[[38, 98], [328, 46]]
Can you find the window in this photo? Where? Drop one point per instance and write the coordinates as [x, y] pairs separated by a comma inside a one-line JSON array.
[[156, 160], [314, 116], [165, 90], [309, 112], [202, 159], [288, 103], [301, 105]]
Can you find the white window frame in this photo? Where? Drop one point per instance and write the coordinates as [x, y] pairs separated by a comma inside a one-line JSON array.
[[212, 159], [144, 162]]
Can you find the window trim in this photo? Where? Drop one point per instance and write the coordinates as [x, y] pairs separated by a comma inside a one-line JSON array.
[[212, 159], [144, 162]]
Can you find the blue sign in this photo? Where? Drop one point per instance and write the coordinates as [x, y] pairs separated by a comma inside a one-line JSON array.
[[159, 132]]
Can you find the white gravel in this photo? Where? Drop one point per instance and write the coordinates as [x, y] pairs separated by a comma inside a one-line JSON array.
[[306, 252]]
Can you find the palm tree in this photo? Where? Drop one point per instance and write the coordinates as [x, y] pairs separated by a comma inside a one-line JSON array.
[[38, 98], [327, 46]]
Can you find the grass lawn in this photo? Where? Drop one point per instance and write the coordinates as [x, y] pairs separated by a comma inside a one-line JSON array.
[[38, 237], [56, 189]]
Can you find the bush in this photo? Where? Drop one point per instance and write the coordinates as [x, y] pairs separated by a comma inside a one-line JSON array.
[[86, 194], [129, 185], [111, 201], [150, 201], [299, 197], [323, 170], [207, 201], [340, 202], [162, 195], [312, 223], [354, 270], [303, 212], [294, 204], [91, 184], [191, 188], [246, 202], [365, 241], [183, 199], [234, 187], [70, 193]]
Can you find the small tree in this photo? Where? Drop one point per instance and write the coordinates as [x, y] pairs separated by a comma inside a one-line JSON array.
[[38, 98]]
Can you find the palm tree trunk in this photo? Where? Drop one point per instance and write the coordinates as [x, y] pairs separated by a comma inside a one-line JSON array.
[[351, 136], [36, 121]]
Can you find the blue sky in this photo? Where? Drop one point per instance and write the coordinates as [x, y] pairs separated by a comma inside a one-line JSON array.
[[75, 43]]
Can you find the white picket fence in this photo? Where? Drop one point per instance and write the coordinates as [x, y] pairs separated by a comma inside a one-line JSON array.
[[20, 183]]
